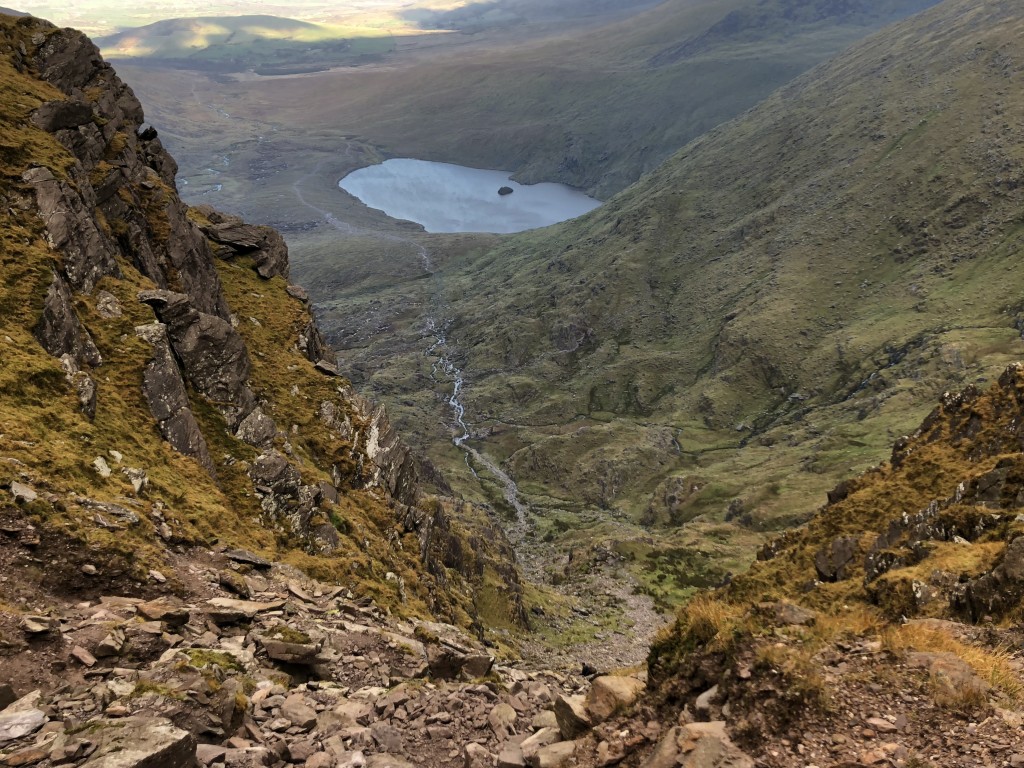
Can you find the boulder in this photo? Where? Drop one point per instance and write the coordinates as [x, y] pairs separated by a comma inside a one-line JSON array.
[[447, 663], [273, 471], [210, 753], [170, 612], [505, 191], [141, 742], [511, 756], [290, 652], [542, 738], [246, 557], [951, 677], [224, 610], [82, 384], [477, 756], [23, 493], [345, 714], [571, 713], [832, 561], [234, 582], [107, 305], [257, 429], [702, 706], [388, 737], [553, 755], [501, 718], [53, 116], [249, 757], [19, 723], [296, 711], [609, 694], [698, 745]]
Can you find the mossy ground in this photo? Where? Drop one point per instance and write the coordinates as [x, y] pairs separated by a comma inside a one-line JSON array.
[[49, 443]]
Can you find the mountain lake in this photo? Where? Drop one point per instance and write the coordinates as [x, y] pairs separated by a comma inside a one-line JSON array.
[[451, 198]]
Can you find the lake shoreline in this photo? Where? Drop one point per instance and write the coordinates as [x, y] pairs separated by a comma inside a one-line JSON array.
[[449, 198]]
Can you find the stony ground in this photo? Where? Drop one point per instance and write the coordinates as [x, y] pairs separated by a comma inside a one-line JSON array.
[[258, 665]]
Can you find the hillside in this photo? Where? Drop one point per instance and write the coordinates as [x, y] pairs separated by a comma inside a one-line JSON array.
[[164, 387], [214, 553], [910, 575], [269, 44], [594, 110], [754, 320]]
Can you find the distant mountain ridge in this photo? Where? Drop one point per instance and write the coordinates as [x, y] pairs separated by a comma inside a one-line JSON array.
[[236, 43]]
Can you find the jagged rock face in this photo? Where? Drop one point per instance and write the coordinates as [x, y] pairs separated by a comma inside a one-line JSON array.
[[55, 116], [122, 170], [71, 227], [313, 346], [59, 330], [264, 244], [394, 466], [106, 205], [212, 353], [165, 392]]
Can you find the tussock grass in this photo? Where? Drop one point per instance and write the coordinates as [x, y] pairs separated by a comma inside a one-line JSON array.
[[996, 666], [803, 681]]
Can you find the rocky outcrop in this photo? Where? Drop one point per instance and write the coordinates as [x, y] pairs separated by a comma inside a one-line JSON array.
[[997, 592], [60, 331], [66, 208], [312, 345], [264, 245], [394, 467], [123, 171], [167, 397], [213, 355], [288, 445], [831, 561]]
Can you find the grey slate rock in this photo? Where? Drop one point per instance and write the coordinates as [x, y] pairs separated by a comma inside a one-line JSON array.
[[53, 116], [142, 742], [165, 392], [212, 353], [59, 330]]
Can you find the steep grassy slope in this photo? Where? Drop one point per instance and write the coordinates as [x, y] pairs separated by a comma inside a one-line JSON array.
[[113, 446], [853, 238], [899, 556], [772, 307]]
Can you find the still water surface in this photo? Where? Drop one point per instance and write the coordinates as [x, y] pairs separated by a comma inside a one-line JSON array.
[[451, 198]]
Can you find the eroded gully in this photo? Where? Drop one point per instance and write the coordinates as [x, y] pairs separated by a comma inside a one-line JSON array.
[[443, 370]]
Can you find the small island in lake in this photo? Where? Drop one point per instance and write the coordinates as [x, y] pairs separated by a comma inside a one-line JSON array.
[[505, 191]]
